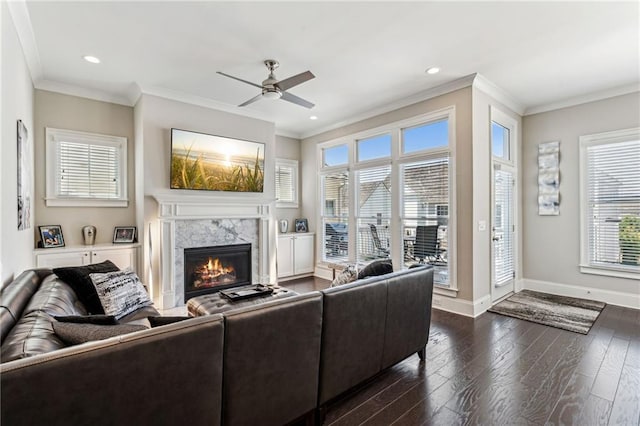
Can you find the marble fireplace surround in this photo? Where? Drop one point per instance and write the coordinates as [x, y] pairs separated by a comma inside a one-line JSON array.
[[202, 221]]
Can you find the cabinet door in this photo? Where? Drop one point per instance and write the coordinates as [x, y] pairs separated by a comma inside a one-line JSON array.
[[303, 254], [62, 259], [123, 258], [285, 256]]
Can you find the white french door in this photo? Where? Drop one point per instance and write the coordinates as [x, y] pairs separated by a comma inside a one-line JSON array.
[[503, 241], [504, 133]]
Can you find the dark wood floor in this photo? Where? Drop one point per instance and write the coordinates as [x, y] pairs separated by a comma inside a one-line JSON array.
[[496, 370]]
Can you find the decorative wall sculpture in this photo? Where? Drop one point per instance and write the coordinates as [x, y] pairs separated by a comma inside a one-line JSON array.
[[549, 179]]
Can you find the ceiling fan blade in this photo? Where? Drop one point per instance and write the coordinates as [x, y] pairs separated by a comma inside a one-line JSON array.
[[290, 82], [239, 79], [296, 100], [252, 100]]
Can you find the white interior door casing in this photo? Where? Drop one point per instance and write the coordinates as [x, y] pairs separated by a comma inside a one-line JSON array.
[[504, 240]]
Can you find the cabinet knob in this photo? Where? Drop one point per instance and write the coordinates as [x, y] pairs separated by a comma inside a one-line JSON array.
[[86, 254]]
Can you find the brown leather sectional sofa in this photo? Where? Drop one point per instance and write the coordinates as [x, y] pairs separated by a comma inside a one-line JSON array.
[[268, 364]]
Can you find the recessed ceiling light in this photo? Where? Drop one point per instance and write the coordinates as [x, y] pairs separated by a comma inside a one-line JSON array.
[[433, 70], [91, 59], [313, 117]]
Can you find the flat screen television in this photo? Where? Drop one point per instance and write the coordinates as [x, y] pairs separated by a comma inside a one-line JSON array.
[[215, 163]]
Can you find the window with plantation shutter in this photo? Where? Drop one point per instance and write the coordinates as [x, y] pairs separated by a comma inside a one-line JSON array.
[[374, 213], [85, 169], [610, 175], [335, 215], [425, 214], [287, 183], [388, 193]]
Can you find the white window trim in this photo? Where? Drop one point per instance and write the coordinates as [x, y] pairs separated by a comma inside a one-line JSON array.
[[52, 137], [587, 141], [293, 164], [397, 158]]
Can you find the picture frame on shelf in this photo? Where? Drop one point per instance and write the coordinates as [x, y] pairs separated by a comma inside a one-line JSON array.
[[302, 225], [124, 234], [51, 236]]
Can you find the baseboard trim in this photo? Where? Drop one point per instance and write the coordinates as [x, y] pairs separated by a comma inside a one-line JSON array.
[[627, 300], [460, 306]]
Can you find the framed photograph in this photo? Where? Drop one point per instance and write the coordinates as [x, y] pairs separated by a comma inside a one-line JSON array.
[[124, 234], [51, 236], [302, 225]]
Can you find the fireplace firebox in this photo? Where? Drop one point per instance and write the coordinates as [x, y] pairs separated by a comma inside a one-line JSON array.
[[211, 269]]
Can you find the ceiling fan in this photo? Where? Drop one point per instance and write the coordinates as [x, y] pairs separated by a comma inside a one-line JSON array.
[[273, 88]]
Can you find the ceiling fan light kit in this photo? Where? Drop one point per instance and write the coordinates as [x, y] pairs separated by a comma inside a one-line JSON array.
[[274, 89]]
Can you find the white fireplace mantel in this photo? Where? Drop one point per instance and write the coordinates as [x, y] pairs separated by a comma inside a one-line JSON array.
[[189, 206], [176, 206]]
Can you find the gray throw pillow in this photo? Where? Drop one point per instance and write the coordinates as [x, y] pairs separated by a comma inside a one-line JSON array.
[[74, 334], [120, 292], [375, 268], [88, 319]]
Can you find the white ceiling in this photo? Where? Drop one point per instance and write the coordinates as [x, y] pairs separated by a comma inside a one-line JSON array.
[[366, 56]]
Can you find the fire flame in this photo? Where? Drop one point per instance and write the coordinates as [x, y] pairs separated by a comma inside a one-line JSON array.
[[213, 272]]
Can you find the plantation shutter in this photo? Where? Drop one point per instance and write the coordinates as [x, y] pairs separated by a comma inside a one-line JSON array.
[[425, 204], [613, 204], [284, 183], [374, 212], [88, 170], [426, 189], [503, 232], [335, 216]]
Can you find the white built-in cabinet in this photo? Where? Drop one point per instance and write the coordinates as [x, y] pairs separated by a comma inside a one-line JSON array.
[[295, 254], [123, 255]]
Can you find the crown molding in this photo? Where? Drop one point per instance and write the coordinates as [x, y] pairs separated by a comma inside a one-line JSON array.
[[22, 22], [424, 95], [82, 92], [485, 85], [583, 99], [186, 98]]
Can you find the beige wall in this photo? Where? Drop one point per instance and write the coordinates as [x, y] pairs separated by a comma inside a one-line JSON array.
[[16, 247], [289, 148], [156, 116], [73, 113], [552, 243], [461, 99]]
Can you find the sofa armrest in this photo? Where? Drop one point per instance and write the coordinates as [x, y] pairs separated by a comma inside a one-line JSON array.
[[15, 296], [408, 313], [165, 375]]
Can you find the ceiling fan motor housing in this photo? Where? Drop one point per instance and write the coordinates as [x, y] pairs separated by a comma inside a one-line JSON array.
[[271, 93]]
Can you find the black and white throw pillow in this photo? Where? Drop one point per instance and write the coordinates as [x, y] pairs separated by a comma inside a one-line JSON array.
[[347, 275], [120, 292]]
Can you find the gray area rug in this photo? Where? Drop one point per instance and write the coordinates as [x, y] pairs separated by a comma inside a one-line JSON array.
[[567, 313]]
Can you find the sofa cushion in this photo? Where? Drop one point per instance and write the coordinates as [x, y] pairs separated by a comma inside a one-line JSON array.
[[74, 334], [33, 333], [120, 292], [15, 296], [79, 280], [375, 268]]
